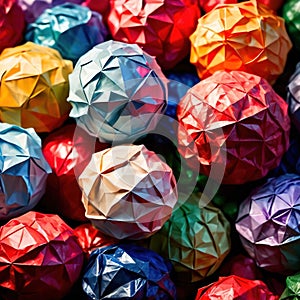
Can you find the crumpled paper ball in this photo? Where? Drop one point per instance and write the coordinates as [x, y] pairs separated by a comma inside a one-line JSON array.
[[12, 24], [102, 7], [160, 28], [235, 288], [196, 240], [90, 238], [34, 8], [208, 5], [69, 28], [238, 123], [117, 92], [68, 150], [128, 191], [245, 37], [127, 272], [268, 224], [39, 258], [23, 170], [34, 87], [292, 291]]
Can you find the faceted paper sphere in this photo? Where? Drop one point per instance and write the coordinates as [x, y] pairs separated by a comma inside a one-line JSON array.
[[160, 28], [69, 28], [268, 224], [39, 258], [195, 239], [23, 170], [117, 92], [34, 87], [252, 39], [127, 272], [12, 24], [128, 191], [235, 288], [68, 150], [237, 122]]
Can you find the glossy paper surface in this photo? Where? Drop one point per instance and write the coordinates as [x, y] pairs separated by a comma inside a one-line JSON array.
[[23, 170], [127, 272], [34, 87], [162, 28], [238, 122], [236, 288], [292, 291], [128, 191], [182, 240], [102, 7], [268, 224], [245, 37], [77, 29], [208, 5], [39, 258], [117, 92]]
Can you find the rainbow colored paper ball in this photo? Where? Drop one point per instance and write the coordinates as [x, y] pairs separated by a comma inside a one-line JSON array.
[[252, 39], [39, 258], [268, 224], [160, 28], [128, 191], [34, 87], [127, 271], [69, 28], [23, 170], [238, 123], [117, 91]]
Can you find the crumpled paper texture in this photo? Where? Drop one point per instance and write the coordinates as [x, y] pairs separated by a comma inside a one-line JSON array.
[[196, 240], [208, 5], [161, 28], [68, 150], [272, 4], [293, 96], [292, 291], [236, 288], [12, 24], [127, 272], [69, 28], [117, 92], [90, 238], [268, 224], [39, 258], [128, 191], [23, 170], [245, 36], [34, 87], [34, 8], [238, 121], [102, 7]]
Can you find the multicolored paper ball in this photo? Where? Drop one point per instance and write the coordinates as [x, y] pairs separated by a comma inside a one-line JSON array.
[[238, 123], [34, 87], [23, 170]]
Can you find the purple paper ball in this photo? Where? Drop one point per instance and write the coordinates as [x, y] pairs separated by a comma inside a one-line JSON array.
[[268, 224]]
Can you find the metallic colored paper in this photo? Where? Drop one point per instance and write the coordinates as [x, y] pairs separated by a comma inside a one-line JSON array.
[[128, 191], [292, 291], [127, 272], [245, 36], [39, 258], [196, 240], [117, 92], [23, 170], [236, 288], [161, 28], [34, 86], [238, 122], [268, 224], [12, 24], [69, 28]]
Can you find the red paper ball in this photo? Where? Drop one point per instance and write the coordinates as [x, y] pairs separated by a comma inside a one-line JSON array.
[[102, 7], [161, 28], [238, 123], [12, 24], [64, 150], [235, 288], [40, 258], [272, 4], [208, 5]]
